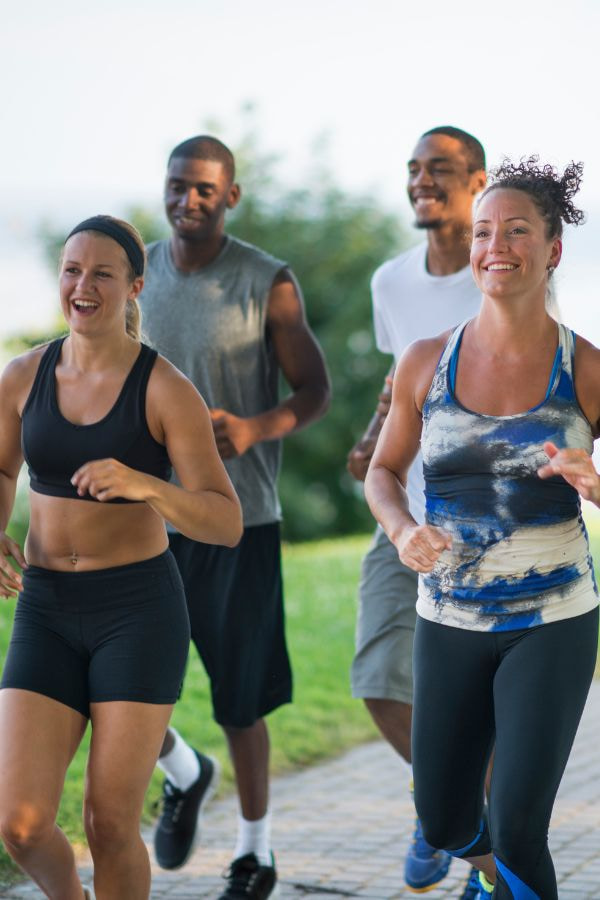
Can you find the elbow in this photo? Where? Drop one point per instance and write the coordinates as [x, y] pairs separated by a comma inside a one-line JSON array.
[[235, 528], [321, 400]]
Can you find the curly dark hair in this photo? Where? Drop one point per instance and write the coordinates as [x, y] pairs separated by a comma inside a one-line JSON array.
[[551, 192]]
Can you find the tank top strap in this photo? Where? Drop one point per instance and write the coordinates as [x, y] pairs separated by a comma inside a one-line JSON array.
[[566, 341], [562, 381], [41, 389], [446, 368], [134, 389]]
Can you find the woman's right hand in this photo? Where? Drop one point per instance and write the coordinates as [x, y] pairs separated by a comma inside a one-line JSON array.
[[10, 580], [420, 546]]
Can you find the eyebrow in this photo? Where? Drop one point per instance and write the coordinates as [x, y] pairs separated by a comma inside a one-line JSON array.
[[71, 262], [190, 181], [510, 219], [432, 159]]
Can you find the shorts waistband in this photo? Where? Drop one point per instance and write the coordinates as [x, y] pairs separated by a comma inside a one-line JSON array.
[[97, 574]]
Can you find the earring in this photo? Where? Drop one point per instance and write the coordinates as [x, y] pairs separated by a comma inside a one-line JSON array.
[[550, 270]]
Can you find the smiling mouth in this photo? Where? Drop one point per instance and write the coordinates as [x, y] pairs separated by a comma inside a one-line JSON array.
[[188, 221], [85, 306], [500, 267], [425, 201]]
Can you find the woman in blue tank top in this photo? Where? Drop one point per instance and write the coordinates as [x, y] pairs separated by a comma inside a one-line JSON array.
[[506, 408], [101, 630]]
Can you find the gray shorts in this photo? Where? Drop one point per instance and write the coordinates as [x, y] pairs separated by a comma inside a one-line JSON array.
[[385, 626]]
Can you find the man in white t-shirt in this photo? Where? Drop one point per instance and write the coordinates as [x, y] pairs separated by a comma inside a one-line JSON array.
[[418, 294]]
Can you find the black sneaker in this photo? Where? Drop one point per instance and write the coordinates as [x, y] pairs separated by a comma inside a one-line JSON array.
[[248, 879], [178, 825]]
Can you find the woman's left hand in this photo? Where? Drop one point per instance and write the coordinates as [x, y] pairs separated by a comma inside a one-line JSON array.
[[105, 479], [576, 467]]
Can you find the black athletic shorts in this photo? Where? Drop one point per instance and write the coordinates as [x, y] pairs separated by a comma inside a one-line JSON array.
[[235, 602], [111, 634]]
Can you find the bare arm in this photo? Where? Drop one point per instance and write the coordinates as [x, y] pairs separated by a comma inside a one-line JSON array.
[[14, 384], [418, 546], [361, 454], [575, 465], [303, 367], [205, 507]]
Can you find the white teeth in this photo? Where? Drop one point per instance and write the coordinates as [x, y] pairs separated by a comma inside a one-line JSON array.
[[500, 267], [85, 303]]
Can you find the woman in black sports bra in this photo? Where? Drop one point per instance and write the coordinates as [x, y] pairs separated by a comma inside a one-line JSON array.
[[101, 629]]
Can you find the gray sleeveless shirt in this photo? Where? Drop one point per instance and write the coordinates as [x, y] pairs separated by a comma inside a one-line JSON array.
[[211, 324]]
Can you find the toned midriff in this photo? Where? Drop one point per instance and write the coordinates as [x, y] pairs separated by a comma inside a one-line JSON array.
[[80, 535]]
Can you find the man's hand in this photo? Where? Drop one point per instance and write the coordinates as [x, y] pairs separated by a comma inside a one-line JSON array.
[[360, 457], [384, 401], [234, 435]]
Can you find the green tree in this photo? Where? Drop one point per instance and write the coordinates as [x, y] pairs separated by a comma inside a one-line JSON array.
[[333, 241]]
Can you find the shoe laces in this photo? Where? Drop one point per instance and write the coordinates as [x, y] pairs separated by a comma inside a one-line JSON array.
[[241, 874], [171, 802]]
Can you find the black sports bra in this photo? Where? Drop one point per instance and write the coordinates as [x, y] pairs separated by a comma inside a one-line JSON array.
[[55, 448]]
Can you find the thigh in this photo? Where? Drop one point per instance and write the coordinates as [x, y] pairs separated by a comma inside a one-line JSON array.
[[126, 740], [139, 640], [382, 665], [45, 653], [540, 691], [453, 722], [38, 738]]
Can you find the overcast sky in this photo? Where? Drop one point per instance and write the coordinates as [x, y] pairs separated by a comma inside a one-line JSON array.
[[95, 95]]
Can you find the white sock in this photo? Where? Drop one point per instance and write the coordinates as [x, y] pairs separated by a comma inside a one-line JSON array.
[[254, 837], [180, 764]]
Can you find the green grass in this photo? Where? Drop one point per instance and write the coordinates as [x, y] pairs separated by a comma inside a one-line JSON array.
[[320, 589]]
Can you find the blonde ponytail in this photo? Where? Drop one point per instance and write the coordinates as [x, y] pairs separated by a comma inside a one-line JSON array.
[[133, 320]]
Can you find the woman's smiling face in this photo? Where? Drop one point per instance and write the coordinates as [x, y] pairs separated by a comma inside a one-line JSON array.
[[95, 283], [511, 252]]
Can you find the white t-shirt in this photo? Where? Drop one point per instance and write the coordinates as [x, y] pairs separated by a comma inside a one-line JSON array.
[[410, 304]]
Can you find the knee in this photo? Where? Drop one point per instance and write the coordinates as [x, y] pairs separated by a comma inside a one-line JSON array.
[[516, 843], [448, 833], [26, 827], [107, 828]]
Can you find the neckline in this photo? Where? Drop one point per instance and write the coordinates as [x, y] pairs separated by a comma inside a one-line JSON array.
[[557, 366], [203, 270], [448, 280], [54, 397]]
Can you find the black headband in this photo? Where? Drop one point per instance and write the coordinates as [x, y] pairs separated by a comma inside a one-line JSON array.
[[119, 234]]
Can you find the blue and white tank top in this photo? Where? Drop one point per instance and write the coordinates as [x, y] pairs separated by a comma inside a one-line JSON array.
[[520, 554]]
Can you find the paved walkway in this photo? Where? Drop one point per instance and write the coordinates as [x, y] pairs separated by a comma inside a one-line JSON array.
[[341, 830]]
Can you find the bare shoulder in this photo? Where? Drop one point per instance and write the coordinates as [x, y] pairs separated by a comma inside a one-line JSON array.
[[18, 376], [416, 367], [168, 383], [586, 353], [587, 380], [422, 356]]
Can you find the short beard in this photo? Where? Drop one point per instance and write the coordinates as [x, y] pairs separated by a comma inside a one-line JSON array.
[[429, 226]]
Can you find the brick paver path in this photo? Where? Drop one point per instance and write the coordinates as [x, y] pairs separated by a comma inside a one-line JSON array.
[[341, 830]]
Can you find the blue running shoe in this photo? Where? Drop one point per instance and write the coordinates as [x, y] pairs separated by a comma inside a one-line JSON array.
[[473, 888], [424, 866]]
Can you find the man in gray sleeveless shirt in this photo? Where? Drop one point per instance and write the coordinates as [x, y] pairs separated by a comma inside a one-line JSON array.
[[231, 317]]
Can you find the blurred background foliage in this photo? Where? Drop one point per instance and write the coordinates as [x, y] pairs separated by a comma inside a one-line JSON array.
[[333, 241]]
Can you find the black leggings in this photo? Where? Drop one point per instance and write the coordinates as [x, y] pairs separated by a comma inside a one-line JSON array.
[[522, 692]]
